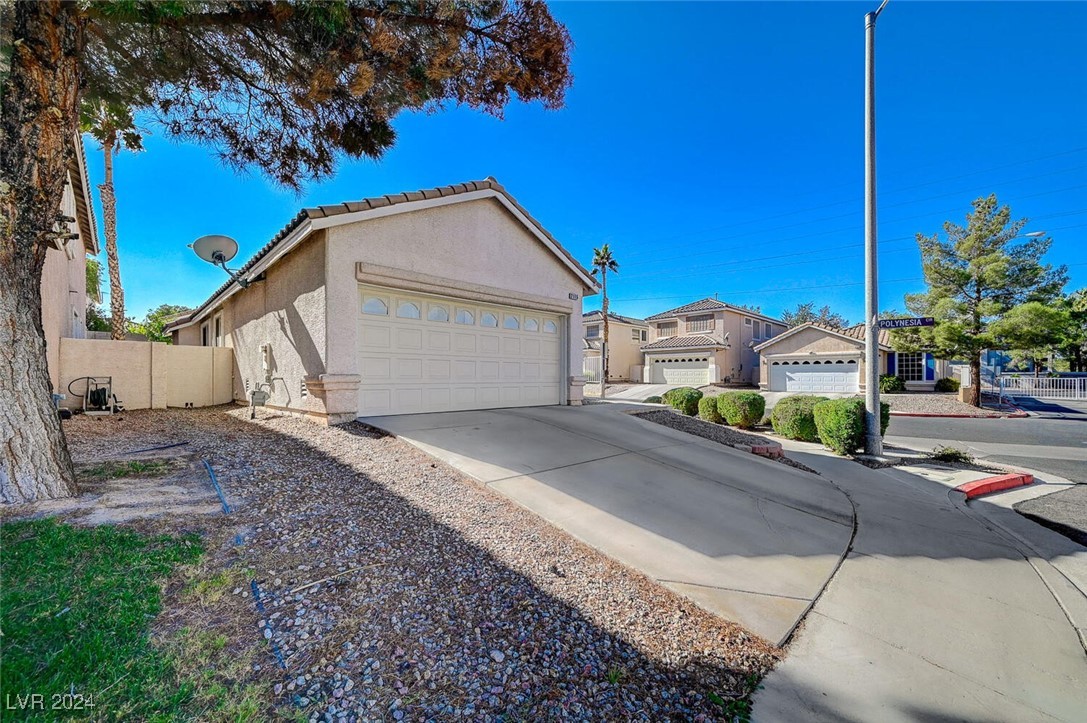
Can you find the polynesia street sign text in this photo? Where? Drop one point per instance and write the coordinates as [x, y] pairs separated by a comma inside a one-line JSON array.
[[906, 323]]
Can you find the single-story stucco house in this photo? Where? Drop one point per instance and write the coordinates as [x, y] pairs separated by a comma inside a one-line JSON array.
[[706, 342], [625, 338], [816, 358], [446, 299]]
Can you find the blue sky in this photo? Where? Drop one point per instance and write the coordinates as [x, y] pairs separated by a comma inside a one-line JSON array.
[[717, 147]]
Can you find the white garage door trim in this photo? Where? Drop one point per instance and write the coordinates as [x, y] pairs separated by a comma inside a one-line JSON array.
[[426, 353], [832, 375], [687, 369]]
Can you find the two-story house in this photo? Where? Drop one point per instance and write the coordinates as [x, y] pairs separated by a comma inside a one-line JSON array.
[[626, 335], [706, 342], [64, 276]]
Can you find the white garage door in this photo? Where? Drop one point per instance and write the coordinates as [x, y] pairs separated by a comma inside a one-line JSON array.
[[422, 353], [691, 371], [834, 376]]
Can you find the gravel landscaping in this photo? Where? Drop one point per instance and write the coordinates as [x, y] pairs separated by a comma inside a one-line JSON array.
[[392, 588], [933, 403]]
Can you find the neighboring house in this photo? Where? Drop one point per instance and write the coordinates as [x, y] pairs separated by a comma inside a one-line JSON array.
[[626, 335], [64, 276], [816, 358], [438, 300], [705, 342]]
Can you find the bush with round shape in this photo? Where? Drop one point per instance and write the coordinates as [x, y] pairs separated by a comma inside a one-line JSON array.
[[793, 418], [840, 423], [890, 383], [947, 384], [707, 409], [667, 396], [686, 401], [741, 409], [653, 400]]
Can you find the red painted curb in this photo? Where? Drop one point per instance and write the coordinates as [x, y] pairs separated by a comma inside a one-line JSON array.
[[999, 483]]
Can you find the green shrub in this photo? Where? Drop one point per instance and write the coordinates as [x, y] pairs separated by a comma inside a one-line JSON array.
[[947, 384], [792, 417], [667, 396], [707, 409], [840, 423], [741, 409], [686, 400], [653, 400], [890, 383]]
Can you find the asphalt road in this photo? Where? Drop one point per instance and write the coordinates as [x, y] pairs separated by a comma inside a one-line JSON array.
[[1053, 441]]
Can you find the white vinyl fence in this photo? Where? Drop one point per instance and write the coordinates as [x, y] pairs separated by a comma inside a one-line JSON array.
[[1044, 387], [591, 368]]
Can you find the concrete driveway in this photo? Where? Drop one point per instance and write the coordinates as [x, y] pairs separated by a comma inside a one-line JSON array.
[[752, 540], [640, 392]]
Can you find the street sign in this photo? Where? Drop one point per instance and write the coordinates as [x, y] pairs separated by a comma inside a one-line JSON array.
[[906, 323]]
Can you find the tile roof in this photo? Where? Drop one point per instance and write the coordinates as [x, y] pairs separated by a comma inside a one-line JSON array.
[[366, 204], [855, 332], [593, 315], [77, 171], [694, 341], [708, 304]]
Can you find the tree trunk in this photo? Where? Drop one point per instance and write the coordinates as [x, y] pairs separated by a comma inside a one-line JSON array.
[[975, 379], [109, 221], [37, 130], [607, 350]]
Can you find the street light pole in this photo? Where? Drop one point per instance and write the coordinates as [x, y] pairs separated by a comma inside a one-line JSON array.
[[873, 442]]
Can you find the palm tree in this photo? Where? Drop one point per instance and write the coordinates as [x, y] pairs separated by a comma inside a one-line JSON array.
[[114, 128], [603, 262]]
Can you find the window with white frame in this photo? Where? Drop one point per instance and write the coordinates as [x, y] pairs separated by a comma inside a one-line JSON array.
[[592, 331], [703, 322], [637, 335], [754, 329], [550, 327], [666, 330], [531, 324], [911, 366], [769, 330], [217, 326], [374, 305], [407, 310], [509, 321], [488, 319], [437, 313], [465, 317], [205, 334]]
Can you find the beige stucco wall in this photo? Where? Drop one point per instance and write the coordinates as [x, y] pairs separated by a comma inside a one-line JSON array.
[[64, 292], [286, 310], [623, 351], [474, 243], [146, 375], [307, 307]]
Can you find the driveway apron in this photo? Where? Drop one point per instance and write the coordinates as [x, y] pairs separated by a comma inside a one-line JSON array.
[[749, 539]]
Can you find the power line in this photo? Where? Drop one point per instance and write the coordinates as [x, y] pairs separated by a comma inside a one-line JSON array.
[[780, 289], [857, 199]]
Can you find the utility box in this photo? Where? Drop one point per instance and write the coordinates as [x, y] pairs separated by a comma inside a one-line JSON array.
[[964, 394]]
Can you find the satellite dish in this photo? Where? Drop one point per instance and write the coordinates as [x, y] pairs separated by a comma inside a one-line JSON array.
[[215, 249], [218, 249]]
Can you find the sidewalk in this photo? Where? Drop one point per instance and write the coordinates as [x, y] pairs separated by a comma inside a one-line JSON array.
[[938, 613]]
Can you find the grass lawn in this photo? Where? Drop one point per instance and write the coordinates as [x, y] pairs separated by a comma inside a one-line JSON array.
[[77, 604]]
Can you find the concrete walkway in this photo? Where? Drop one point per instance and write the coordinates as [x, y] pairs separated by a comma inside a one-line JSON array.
[[747, 538], [940, 612]]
